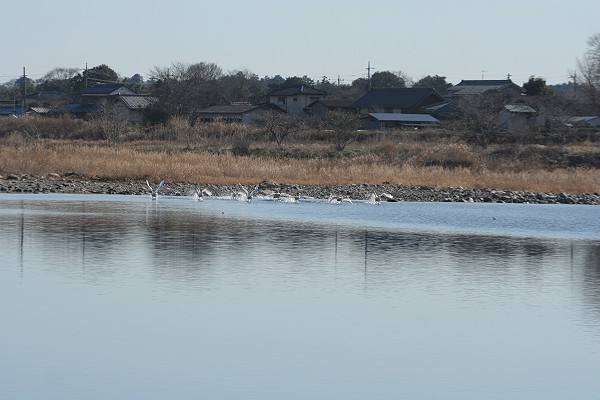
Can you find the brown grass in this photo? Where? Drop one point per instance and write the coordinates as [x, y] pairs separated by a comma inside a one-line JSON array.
[[445, 165]]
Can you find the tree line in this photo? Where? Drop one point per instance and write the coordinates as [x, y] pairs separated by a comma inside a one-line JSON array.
[[183, 88]]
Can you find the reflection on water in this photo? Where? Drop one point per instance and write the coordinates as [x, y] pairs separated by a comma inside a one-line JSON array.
[[122, 297]]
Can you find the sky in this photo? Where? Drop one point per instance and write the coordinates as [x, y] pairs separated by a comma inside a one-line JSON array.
[[338, 39]]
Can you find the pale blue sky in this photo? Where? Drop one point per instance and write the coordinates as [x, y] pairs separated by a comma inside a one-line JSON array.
[[457, 39]]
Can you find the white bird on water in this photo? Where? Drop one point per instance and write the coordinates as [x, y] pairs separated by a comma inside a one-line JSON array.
[[154, 191], [199, 193], [374, 199], [339, 199], [243, 195]]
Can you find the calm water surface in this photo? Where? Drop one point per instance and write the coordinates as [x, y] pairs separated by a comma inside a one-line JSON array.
[[121, 297]]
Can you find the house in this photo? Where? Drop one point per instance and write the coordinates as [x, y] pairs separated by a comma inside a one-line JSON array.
[[444, 110], [383, 121], [295, 99], [130, 108], [519, 118], [323, 106], [509, 91], [122, 103], [243, 113], [397, 100], [102, 93], [47, 99]]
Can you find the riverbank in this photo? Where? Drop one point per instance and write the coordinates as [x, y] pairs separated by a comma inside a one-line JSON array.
[[73, 183]]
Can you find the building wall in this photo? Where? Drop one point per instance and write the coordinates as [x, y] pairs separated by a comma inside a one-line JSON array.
[[294, 104]]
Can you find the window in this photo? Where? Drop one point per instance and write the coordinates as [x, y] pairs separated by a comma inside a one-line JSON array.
[[295, 99], [281, 99]]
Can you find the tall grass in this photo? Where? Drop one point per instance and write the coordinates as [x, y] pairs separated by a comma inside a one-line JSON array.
[[450, 165], [225, 153]]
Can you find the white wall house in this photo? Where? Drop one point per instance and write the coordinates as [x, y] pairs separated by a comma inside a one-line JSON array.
[[294, 99]]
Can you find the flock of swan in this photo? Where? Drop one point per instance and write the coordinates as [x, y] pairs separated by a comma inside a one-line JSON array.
[[243, 194]]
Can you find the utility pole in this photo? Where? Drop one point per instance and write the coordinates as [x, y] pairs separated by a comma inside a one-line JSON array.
[[482, 72], [369, 74], [24, 91], [86, 75]]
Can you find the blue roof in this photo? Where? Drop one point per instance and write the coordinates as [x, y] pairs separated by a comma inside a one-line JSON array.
[[8, 110], [105, 88], [80, 108]]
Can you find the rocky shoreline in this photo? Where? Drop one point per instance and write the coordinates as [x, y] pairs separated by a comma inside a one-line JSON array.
[[71, 182]]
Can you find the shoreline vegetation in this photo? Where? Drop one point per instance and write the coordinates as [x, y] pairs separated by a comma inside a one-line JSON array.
[[222, 155]]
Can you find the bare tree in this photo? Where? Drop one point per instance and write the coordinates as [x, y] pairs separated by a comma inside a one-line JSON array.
[[111, 122], [480, 117], [279, 125], [182, 89], [588, 77], [343, 128]]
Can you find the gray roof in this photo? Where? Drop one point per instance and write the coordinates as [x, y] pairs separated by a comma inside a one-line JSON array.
[[481, 86], [441, 107], [519, 108], [335, 102], [404, 117], [590, 120], [298, 89], [137, 101], [229, 109], [396, 97]]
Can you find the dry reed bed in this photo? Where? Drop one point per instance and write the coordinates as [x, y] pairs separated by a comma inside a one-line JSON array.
[[185, 167]]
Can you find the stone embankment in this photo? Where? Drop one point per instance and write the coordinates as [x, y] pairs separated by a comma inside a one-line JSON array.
[[71, 182]]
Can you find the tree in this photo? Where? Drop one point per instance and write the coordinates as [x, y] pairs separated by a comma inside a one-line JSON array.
[[101, 73], [480, 117], [588, 75], [241, 86], [136, 83], [536, 87], [387, 79], [182, 89], [59, 80], [292, 81], [342, 126], [279, 125], [437, 82]]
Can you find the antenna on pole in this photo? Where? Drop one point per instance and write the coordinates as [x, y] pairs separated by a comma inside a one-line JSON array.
[[369, 74], [508, 76], [482, 73]]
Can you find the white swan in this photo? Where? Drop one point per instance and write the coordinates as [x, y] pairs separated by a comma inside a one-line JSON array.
[[339, 199], [286, 198], [242, 194], [197, 194], [154, 191], [374, 199]]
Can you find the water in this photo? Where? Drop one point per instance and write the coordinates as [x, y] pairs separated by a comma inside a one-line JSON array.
[[121, 297]]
